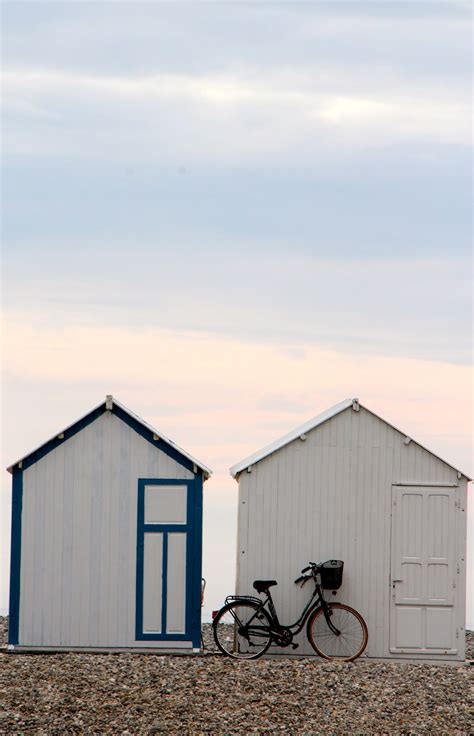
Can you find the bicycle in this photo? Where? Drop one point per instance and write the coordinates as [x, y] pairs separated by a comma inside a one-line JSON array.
[[246, 626]]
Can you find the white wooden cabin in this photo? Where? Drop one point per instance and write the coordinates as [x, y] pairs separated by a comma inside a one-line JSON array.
[[348, 485], [106, 539]]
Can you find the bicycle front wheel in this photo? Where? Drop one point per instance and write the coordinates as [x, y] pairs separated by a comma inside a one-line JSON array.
[[346, 645], [242, 631]]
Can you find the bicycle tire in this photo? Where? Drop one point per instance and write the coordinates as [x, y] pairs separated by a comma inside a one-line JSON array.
[[353, 637], [230, 635]]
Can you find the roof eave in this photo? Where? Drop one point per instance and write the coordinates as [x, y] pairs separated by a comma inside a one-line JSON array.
[[268, 450], [311, 424], [207, 472]]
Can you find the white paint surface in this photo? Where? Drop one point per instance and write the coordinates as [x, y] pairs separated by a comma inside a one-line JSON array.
[[329, 497], [425, 529], [79, 536], [157, 434]]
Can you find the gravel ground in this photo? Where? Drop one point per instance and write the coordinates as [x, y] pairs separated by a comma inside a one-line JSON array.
[[145, 694]]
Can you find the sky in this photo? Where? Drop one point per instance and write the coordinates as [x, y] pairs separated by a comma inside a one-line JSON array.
[[232, 216]]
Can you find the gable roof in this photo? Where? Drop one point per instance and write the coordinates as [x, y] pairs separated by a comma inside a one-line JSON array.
[[153, 435], [235, 470]]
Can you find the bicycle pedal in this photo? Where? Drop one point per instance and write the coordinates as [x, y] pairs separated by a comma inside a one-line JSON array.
[[295, 646]]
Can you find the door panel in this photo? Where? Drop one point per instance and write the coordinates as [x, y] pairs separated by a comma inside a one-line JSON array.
[[423, 575], [165, 504], [439, 627], [152, 582], [410, 587], [176, 602], [408, 626]]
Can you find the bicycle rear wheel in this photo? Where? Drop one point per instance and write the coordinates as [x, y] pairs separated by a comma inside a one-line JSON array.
[[242, 631], [345, 646]]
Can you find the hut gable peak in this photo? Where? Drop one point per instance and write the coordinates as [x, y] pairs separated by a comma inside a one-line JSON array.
[[302, 430], [111, 404]]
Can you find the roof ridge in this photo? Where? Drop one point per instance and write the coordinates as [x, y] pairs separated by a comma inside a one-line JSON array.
[[108, 404], [311, 424], [293, 435]]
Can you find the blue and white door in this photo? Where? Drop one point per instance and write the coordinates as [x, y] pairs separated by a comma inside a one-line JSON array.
[[168, 560]]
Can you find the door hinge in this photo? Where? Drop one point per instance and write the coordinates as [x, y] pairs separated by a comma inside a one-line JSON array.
[[458, 568], [457, 633]]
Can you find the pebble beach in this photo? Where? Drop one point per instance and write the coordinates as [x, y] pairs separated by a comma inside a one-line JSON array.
[[146, 694]]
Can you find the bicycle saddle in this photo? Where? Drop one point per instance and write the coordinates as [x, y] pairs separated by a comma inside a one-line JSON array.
[[262, 585]]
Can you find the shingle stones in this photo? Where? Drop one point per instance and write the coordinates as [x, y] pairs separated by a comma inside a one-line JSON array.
[[145, 694]]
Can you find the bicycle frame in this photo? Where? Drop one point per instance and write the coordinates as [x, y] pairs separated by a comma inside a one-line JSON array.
[[316, 601]]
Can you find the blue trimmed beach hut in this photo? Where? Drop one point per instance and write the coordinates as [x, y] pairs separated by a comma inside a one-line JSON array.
[[106, 539]]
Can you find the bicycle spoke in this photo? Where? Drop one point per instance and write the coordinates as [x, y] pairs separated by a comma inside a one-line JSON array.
[[237, 631], [348, 643]]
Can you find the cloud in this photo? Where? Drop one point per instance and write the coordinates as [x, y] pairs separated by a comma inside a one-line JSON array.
[[391, 307], [220, 118], [203, 38], [384, 202], [219, 381]]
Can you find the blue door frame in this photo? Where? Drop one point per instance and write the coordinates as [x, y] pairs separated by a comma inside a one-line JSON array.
[[193, 530]]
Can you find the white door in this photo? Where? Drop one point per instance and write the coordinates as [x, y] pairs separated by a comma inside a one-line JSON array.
[[423, 570]]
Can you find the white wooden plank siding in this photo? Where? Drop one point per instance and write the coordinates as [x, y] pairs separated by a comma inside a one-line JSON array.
[[329, 497], [79, 532]]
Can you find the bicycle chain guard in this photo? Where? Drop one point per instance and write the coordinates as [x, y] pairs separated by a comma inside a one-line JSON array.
[[282, 638]]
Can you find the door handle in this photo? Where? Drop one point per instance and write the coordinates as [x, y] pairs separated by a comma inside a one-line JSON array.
[[398, 580]]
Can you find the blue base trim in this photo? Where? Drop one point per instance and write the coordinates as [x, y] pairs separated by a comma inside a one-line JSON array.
[[15, 559]]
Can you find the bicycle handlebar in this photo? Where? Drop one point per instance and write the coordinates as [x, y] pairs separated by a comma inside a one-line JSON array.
[[314, 567], [302, 579]]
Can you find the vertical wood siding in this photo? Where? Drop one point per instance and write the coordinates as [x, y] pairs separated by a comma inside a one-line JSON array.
[[329, 497], [79, 533]]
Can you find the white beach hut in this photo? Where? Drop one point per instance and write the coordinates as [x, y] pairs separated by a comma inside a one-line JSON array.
[[106, 539], [348, 485]]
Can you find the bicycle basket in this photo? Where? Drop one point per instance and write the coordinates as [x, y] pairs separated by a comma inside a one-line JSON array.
[[331, 574]]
